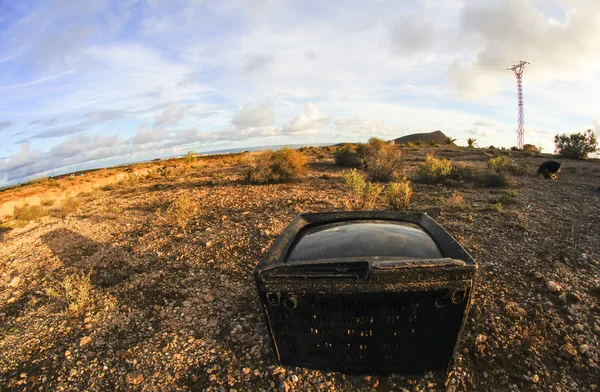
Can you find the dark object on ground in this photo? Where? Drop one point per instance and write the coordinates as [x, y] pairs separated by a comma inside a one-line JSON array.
[[438, 137], [549, 169], [366, 292]]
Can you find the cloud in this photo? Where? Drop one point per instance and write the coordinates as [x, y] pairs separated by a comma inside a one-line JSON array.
[[248, 116], [62, 131], [257, 62], [412, 34], [482, 132], [358, 125], [146, 135], [482, 123], [309, 122], [102, 116], [506, 32], [45, 122], [6, 124], [172, 115]]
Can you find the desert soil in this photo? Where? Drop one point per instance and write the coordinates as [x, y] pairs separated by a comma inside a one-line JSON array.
[[173, 309]]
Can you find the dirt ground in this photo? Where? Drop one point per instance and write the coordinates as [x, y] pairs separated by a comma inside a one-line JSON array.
[[116, 296]]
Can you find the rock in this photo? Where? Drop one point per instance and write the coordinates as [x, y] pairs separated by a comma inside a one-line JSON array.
[[84, 340], [584, 348], [553, 287], [134, 378], [535, 379], [208, 297], [573, 297], [294, 378], [567, 351], [480, 339], [15, 281]]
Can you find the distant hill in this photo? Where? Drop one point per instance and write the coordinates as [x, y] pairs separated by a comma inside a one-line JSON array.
[[438, 136]]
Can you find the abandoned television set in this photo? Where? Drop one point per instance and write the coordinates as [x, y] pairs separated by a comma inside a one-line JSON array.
[[374, 291]]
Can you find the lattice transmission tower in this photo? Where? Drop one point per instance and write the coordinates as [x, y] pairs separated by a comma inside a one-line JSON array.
[[518, 71]]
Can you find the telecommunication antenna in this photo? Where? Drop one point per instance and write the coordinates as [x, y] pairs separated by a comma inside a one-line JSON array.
[[518, 71]]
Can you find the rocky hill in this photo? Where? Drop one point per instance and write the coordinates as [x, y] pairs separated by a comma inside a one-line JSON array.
[[438, 136]]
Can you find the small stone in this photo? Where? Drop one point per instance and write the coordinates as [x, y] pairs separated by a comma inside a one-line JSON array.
[[134, 378], [208, 297], [67, 353], [573, 297], [246, 371], [535, 379], [584, 348], [553, 287], [84, 340], [567, 351], [294, 378], [538, 275], [23, 375], [480, 338], [15, 281]]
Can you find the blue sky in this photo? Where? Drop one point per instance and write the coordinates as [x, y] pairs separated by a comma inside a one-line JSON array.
[[94, 83]]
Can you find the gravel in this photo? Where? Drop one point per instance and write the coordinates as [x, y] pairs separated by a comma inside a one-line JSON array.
[[168, 307]]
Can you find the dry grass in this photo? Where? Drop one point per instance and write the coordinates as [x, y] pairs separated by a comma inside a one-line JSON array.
[[47, 202], [29, 213], [271, 167], [69, 206], [455, 201], [491, 178], [434, 170], [181, 211], [497, 206], [502, 164], [347, 156], [74, 293], [398, 195], [364, 193]]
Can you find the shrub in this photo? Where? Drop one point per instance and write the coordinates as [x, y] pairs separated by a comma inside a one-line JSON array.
[[398, 195], [271, 167], [576, 145], [462, 172], [29, 213], [365, 194], [47, 202], [182, 211], [434, 169], [503, 164], [347, 156], [433, 143], [190, 158], [418, 142], [381, 160], [496, 207], [410, 144], [507, 198], [74, 293], [68, 206], [494, 179], [456, 200], [471, 142]]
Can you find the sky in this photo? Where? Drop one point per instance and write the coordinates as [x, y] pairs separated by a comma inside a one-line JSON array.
[[95, 83]]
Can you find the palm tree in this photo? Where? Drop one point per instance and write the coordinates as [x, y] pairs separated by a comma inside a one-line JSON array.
[[471, 142], [449, 141], [433, 143]]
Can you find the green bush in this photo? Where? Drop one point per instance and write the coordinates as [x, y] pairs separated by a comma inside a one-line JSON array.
[[576, 145], [462, 172], [279, 166], [494, 179], [381, 160], [365, 194], [434, 169], [347, 156], [398, 195], [502, 164]]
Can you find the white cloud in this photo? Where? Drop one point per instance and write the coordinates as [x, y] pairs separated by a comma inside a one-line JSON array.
[[172, 115], [307, 123], [247, 116]]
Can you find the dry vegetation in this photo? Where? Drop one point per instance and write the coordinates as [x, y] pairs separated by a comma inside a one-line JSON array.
[[146, 283]]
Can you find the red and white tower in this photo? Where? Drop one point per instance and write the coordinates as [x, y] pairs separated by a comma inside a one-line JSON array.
[[518, 71]]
